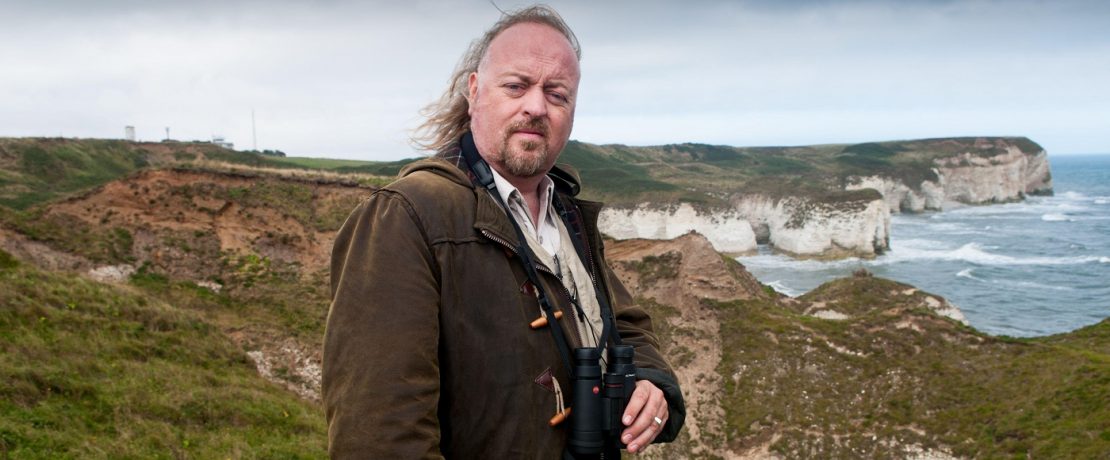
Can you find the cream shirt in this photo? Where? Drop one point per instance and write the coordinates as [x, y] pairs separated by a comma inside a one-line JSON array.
[[550, 241]]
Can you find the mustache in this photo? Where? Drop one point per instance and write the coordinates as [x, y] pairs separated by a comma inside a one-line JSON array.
[[536, 124]]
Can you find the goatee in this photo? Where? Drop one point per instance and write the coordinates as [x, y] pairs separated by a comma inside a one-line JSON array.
[[531, 156]]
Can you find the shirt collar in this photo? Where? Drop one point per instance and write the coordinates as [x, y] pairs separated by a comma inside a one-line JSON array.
[[511, 194]]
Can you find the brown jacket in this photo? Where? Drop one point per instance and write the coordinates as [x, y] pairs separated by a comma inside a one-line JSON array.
[[428, 351]]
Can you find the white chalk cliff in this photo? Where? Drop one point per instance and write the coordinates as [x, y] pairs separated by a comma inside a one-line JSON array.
[[967, 178], [795, 225], [728, 230], [854, 226]]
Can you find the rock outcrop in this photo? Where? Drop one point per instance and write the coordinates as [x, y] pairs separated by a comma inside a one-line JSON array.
[[1010, 176], [729, 230], [967, 178], [857, 225]]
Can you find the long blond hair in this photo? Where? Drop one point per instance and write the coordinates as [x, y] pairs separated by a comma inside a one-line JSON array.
[[447, 119]]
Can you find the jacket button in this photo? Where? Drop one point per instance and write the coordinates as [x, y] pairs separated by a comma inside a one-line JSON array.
[[542, 320], [559, 417]]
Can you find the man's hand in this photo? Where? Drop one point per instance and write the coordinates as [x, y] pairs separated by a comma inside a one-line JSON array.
[[647, 406]]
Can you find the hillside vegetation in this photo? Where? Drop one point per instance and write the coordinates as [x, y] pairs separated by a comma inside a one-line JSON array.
[[37, 170], [202, 337], [860, 367], [98, 371]]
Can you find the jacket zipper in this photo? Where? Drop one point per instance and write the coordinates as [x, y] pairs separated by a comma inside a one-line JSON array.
[[540, 267]]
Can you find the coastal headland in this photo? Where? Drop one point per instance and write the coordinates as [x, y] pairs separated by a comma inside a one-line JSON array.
[[169, 299]]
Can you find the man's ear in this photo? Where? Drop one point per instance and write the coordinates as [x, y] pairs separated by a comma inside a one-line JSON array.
[[471, 92]]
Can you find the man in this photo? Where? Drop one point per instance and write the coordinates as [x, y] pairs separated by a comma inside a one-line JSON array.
[[441, 339]]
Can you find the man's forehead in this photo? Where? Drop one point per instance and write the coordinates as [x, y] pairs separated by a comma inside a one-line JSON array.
[[533, 39]]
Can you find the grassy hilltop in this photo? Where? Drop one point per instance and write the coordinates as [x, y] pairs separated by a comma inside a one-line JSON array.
[[210, 347], [860, 367], [36, 170], [700, 173]]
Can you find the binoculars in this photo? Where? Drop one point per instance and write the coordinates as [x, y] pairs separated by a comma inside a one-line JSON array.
[[599, 400]]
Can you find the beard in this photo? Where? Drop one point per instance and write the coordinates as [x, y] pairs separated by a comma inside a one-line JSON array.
[[526, 158]]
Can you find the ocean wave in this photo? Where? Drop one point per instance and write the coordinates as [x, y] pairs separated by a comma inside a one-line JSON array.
[[1069, 207], [976, 254], [967, 273], [1104, 260], [1051, 217], [1033, 285], [1071, 195], [775, 262], [1102, 201], [781, 288]]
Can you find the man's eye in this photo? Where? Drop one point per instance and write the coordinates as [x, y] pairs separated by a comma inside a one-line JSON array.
[[514, 87], [558, 97]]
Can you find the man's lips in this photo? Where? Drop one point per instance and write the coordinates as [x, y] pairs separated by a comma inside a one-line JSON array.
[[530, 132]]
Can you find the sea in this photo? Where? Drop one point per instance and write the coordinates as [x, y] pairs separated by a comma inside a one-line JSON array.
[[1032, 268]]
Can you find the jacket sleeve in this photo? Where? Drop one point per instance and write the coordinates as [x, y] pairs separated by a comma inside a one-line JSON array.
[[635, 329], [380, 382]]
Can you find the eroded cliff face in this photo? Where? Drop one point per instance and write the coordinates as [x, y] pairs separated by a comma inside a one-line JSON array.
[[1011, 176], [728, 230], [967, 178], [988, 171], [805, 227], [900, 197], [810, 227]]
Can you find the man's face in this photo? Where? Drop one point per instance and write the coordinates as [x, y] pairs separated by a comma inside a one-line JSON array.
[[522, 99]]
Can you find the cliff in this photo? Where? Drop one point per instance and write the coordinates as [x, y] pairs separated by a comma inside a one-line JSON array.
[[815, 201], [1004, 173], [835, 226]]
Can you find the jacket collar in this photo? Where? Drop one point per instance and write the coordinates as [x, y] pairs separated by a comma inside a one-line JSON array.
[[489, 216]]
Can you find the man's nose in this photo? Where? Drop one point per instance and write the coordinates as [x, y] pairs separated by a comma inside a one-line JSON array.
[[535, 103]]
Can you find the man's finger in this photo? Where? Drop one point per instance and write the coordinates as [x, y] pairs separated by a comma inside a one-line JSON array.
[[643, 428], [636, 403]]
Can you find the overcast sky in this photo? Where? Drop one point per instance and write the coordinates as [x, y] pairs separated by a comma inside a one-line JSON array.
[[346, 79]]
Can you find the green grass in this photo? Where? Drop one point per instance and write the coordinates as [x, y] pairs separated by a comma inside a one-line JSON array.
[[828, 387], [45, 169], [97, 371], [72, 235], [382, 168], [322, 163]]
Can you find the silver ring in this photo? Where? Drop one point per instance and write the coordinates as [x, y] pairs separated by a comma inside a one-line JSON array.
[[658, 421]]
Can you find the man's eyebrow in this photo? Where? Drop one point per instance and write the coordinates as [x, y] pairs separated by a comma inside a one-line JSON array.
[[552, 83]]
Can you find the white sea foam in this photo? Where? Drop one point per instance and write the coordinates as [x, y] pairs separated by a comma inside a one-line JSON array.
[[1104, 260], [1068, 207], [778, 286], [1102, 201], [976, 254], [1052, 217], [1073, 195], [966, 273], [1033, 285]]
